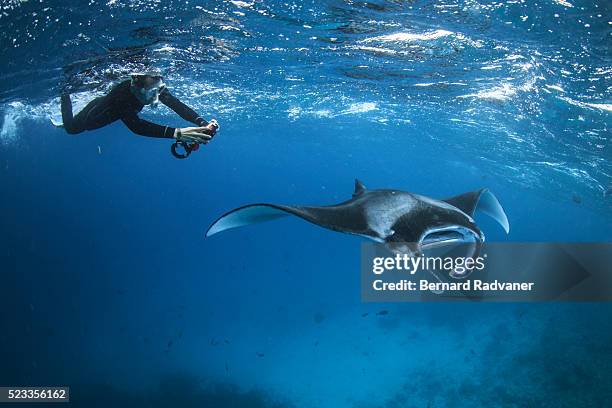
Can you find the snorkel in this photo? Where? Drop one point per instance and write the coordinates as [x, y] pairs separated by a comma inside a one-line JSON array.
[[146, 87]]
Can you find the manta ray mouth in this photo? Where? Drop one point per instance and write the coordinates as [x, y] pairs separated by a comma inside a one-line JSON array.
[[454, 236]]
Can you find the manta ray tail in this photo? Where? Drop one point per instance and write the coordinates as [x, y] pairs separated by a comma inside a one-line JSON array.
[[482, 200]]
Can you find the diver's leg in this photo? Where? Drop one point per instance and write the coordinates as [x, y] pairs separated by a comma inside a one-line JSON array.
[[86, 119]]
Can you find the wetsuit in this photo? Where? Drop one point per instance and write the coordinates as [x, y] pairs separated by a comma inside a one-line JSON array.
[[120, 103]]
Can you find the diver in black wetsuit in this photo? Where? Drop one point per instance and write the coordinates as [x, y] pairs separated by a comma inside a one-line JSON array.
[[126, 100]]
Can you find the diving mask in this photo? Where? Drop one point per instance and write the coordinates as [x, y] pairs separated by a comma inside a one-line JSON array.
[[147, 87]]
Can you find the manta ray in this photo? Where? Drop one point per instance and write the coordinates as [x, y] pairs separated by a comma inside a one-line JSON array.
[[405, 222]]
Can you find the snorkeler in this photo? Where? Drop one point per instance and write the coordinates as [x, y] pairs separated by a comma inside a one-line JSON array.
[[126, 99]]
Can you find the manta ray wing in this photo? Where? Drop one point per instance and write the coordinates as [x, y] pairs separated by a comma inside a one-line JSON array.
[[246, 215], [333, 217], [482, 200]]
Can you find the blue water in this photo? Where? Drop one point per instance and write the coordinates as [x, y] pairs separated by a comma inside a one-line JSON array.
[[109, 286]]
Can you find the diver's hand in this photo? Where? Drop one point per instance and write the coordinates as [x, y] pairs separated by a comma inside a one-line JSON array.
[[212, 127], [193, 134]]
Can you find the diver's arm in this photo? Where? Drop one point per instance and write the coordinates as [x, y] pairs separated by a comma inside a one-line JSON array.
[[180, 108], [146, 128]]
